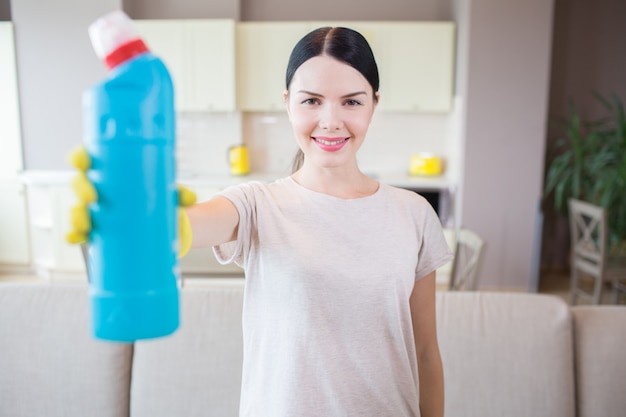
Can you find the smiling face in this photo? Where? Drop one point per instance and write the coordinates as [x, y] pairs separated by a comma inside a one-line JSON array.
[[330, 106]]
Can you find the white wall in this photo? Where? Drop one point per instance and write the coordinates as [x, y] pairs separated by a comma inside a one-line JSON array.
[[181, 9], [344, 10], [506, 68], [55, 65]]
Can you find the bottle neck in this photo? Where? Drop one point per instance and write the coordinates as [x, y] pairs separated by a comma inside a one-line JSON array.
[[125, 52]]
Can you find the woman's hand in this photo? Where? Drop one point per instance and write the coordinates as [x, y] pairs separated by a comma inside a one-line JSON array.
[[186, 198], [80, 220]]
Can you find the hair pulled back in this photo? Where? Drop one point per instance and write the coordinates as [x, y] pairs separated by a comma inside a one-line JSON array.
[[343, 44]]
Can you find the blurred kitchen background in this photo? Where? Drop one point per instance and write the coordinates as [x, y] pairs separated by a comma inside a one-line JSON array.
[[499, 72]]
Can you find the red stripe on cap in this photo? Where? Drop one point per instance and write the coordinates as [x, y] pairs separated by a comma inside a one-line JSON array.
[[125, 52]]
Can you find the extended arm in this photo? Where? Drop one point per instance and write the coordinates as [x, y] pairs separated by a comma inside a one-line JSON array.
[[213, 222], [429, 364], [206, 224]]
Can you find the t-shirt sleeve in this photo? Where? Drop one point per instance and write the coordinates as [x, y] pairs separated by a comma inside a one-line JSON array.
[[434, 250]]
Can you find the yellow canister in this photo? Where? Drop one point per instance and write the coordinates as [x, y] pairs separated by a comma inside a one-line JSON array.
[[425, 164], [238, 160]]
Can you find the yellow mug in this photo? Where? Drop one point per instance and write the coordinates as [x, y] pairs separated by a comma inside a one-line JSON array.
[[238, 160], [425, 164]]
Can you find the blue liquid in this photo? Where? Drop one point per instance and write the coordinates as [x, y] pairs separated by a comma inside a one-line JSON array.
[[130, 136]]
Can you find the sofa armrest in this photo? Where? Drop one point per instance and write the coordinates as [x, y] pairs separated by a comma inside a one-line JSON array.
[[50, 364], [600, 349], [506, 354]]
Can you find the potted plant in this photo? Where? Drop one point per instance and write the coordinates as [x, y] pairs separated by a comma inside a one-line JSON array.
[[588, 162]]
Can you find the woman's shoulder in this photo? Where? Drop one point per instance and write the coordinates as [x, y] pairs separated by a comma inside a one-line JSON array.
[[255, 187], [403, 194]]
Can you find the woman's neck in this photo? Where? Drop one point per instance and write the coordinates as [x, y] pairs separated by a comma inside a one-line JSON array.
[[338, 182]]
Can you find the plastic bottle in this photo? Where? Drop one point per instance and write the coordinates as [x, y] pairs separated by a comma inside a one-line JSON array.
[[129, 125]]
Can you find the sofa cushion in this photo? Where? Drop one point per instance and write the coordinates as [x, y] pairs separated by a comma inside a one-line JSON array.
[[600, 349], [50, 365], [506, 354], [197, 370]]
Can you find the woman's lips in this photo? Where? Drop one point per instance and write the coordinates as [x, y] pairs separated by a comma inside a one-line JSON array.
[[330, 144]]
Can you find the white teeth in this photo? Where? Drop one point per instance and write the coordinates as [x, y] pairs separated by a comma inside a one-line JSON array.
[[329, 143]]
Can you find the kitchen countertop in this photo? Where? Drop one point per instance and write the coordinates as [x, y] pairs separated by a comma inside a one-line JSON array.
[[398, 179]]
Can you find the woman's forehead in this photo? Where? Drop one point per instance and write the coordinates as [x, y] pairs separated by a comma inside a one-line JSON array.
[[324, 72]]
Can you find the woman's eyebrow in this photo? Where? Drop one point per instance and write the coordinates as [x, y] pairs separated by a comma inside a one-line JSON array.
[[357, 93], [309, 93]]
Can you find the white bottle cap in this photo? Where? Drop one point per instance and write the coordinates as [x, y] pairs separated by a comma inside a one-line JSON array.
[[110, 32]]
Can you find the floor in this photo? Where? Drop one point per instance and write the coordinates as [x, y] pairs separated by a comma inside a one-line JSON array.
[[557, 282]]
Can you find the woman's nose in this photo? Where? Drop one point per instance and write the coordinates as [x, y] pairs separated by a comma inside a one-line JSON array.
[[331, 119]]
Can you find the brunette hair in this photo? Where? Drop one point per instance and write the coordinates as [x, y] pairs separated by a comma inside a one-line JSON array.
[[343, 44]]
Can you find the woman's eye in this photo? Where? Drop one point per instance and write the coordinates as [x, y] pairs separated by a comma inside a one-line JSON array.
[[353, 102], [311, 101]]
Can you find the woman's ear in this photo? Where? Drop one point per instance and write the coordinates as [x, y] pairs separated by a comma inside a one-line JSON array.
[[376, 98]]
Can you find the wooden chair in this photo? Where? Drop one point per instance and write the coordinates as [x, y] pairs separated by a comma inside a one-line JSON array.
[[468, 253], [590, 257]]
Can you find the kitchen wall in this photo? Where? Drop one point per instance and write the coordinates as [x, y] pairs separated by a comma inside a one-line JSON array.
[[494, 136], [204, 138]]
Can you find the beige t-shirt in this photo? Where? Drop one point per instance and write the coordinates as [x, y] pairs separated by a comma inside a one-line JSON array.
[[326, 321]]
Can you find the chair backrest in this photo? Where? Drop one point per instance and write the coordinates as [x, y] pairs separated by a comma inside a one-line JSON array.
[[588, 230], [464, 275]]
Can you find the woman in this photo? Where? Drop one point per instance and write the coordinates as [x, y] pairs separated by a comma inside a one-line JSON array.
[[339, 310]]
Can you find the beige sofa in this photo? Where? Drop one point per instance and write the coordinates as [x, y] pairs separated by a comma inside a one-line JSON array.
[[505, 354]]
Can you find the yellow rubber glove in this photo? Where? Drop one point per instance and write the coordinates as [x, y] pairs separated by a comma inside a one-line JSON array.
[[80, 221], [186, 198]]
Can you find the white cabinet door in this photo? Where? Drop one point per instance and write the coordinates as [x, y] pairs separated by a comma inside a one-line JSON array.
[[14, 242], [10, 136], [49, 205], [211, 48], [415, 62], [263, 50], [165, 39], [417, 69], [200, 55]]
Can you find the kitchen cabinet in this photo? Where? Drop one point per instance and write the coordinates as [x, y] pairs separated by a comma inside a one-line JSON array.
[[200, 55], [50, 200], [417, 73], [263, 50], [14, 242], [415, 60], [10, 134], [49, 204], [415, 63]]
